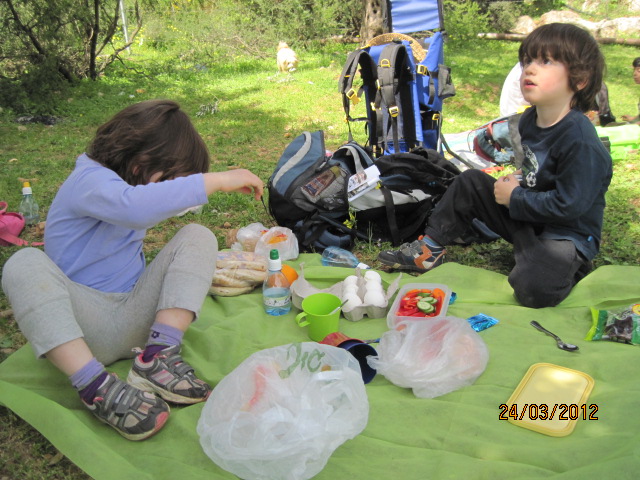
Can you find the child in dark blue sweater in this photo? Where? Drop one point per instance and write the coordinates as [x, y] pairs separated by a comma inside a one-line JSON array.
[[552, 209]]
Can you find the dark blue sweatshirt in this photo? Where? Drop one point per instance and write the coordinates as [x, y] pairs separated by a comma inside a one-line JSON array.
[[566, 173]]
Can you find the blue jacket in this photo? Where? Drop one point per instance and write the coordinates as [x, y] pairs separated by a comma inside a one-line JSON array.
[[566, 173]]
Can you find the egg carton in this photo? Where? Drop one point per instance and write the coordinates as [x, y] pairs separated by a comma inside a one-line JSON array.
[[301, 288]]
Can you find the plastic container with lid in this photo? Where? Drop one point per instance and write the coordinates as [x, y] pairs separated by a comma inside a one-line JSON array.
[[549, 399], [393, 319]]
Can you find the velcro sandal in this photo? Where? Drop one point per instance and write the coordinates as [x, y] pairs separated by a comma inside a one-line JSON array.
[[133, 413], [168, 375]]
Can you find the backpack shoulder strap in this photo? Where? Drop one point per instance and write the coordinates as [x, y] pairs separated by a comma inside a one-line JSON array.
[[394, 75], [358, 58], [399, 232]]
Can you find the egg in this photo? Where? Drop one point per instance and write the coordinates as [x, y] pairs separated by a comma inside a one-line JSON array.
[[375, 298], [373, 286], [350, 289], [350, 280], [371, 275], [353, 301]]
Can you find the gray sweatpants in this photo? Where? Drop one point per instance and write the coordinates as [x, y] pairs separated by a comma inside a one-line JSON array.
[[51, 309]]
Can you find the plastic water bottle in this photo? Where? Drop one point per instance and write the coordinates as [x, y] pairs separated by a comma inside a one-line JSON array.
[[28, 205], [339, 257], [276, 290]]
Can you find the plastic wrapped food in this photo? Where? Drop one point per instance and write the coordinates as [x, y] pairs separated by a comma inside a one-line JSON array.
[[620, 324]]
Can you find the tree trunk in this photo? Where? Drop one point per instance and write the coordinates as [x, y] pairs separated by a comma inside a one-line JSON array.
[[373, 24], [518, 37]]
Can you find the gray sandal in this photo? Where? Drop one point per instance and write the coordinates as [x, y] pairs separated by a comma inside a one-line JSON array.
[[133, 413]]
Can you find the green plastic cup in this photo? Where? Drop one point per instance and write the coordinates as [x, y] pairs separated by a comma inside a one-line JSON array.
[[321, 313]]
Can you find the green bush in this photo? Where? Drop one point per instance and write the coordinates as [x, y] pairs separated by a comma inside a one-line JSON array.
[[227, 29], [38, 90], [535, 8], [464, 20], [503, 15], [293, 21]]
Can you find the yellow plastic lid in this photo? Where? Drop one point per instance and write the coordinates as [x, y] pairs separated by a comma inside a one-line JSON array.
[[549, 399]]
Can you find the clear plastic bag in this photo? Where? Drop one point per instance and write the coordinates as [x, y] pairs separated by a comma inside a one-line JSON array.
[[433, 357], [248, 236], [280, 238], [283, 411]]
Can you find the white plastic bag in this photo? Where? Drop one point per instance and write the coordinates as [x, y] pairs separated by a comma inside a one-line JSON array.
[[433, 357], [282, 412], [280, 238], [247, 237]]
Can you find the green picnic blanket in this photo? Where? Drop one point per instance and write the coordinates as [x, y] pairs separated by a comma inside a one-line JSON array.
[[458, 435]]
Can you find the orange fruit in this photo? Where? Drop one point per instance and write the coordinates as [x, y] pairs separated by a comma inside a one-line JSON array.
[[290, 273]]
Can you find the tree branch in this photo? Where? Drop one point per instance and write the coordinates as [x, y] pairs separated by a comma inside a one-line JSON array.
[[41, 51]]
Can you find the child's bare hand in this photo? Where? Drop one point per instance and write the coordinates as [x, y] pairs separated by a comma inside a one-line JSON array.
[[240, 180], [503, 187]]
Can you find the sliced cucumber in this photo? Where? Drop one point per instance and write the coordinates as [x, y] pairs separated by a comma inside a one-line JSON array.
[[426, 306]]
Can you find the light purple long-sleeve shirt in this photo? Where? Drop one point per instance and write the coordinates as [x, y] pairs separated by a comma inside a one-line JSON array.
[[97, 222]]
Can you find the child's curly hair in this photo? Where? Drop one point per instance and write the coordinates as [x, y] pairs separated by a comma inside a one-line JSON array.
[[574, 47], [150, 137]]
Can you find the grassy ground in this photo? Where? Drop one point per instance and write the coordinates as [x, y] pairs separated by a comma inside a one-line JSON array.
[[247, 113]]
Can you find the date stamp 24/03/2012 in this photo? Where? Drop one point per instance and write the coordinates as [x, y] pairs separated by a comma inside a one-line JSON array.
[[543, 411]]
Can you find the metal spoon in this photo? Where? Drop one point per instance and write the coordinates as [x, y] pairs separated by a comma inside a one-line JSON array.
[[337, 308], [561, 345]]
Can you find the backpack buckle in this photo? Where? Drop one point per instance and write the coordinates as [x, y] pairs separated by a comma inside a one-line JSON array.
[[353, 96], [394, 111], [422, 70], [385, 63]]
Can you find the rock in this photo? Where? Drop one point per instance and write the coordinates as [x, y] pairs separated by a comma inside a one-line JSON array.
[[566, 16], [524, 25], [631, 5], [618, 27]]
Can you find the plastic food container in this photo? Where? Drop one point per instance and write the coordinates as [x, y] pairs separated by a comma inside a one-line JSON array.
[[549, 399], [393, 319]]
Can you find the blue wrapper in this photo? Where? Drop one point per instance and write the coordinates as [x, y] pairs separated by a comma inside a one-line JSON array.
[[452, 298], [481, 322]]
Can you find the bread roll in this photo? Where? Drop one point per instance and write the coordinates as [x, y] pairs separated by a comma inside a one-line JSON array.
[[244, 260], [222, 291]]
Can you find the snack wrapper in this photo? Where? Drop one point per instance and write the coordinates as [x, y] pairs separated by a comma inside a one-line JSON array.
[[620, 324]]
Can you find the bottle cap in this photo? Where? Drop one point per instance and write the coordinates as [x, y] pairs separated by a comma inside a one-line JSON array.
[[26, 188], [274, 260]]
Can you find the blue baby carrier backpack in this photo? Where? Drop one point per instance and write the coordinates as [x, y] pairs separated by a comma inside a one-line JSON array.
[[402, 81]]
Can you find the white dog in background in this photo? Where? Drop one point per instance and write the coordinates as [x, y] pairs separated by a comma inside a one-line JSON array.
[[286, 58]]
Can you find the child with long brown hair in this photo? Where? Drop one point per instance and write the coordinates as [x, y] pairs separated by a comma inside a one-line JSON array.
[[90, 298]]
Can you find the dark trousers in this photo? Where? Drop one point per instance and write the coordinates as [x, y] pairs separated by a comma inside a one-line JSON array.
[[545, 270]]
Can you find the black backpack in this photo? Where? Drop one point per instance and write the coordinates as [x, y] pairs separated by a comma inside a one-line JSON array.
[[308, 193]]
